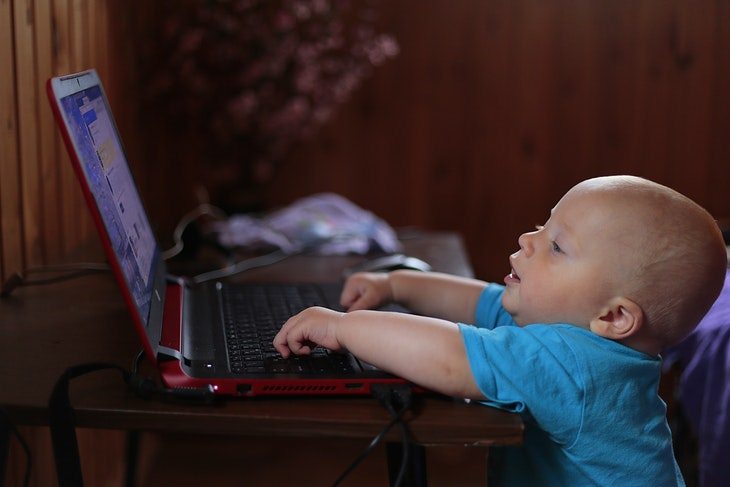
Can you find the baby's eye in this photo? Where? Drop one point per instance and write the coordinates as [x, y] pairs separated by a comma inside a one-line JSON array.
[[556, 247]]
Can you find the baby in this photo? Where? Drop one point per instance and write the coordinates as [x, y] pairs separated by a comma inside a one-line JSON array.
[[623, 268]]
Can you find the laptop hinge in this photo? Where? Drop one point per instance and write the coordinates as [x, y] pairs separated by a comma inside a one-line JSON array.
[[167, 353], [179, 280]]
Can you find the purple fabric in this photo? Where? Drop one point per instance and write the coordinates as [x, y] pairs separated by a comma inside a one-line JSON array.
[[326, 223], [704, 388]]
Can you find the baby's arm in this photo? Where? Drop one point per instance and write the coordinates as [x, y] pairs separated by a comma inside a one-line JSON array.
[[427, 351], [434, 294]]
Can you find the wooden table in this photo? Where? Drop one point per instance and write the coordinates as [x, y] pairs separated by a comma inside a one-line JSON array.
[[45, 329]]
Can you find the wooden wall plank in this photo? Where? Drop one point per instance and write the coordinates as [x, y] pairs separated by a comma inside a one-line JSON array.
[[692, 46], [80, 51], [719, 167], [75, 17], [68, 187], [51, 235], [102, 455], [26, 92], [82, 28], [11, 232], [43, 469]]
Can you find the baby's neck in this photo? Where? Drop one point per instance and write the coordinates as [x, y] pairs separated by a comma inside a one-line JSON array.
[[642, 344]]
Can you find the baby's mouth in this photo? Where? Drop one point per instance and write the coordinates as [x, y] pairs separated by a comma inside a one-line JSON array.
[[514, 275]]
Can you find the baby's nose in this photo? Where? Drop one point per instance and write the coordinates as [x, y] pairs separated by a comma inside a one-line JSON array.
[[525, 242]]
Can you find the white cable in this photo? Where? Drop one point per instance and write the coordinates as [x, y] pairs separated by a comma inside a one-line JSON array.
[[260, 261], [244, 265], [187, 219]]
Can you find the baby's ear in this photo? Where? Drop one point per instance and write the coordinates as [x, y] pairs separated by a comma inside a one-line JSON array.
[[621, 319]]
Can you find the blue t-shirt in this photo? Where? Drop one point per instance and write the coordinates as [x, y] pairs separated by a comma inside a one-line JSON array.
[[590, 405]]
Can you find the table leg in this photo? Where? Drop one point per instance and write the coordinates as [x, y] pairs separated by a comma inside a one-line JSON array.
[[132, 458], [415, 474], [4, 448]]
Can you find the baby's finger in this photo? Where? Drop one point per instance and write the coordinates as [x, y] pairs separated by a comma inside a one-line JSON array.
[[369, 298], [365, 301], [280, 344], [281, 340], [297, 340], [350, 294], [299, 348]]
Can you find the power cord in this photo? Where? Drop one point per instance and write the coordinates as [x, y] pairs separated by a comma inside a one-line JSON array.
[[243, 265], [263, 260], [177, 234], [72, 271], [75, 270], [62, 420], [66, 271], [397, 400], [147, 388], [9, 427]]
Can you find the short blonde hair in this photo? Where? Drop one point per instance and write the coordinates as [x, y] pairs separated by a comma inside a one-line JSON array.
[[680, 262]]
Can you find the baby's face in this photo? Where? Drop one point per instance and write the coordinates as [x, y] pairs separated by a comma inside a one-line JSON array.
[[568, 269]]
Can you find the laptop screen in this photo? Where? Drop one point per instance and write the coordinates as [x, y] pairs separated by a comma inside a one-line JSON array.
[[111, 184]]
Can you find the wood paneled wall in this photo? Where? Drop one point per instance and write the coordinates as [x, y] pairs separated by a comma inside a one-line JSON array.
[[489, 114], [494, 109], [43, 219], [43, 215]]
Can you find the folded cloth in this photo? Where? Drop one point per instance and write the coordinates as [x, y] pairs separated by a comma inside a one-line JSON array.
[[704, 388], [325, 223]]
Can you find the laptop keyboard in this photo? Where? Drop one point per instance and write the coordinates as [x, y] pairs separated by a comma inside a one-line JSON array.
[[252, 317]]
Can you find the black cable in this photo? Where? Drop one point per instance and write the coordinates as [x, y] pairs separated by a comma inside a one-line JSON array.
[[23, 445], [62, 422], [373, 443], [70, 271], [53, 280], [402, 395], [62, 415], [146, 388], [387, 396]]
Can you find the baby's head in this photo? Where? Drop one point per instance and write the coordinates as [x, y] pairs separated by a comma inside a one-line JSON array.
[[630, 259]]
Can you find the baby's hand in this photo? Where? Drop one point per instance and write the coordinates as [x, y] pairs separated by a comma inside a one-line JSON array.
[[366, 290], [313, 326]]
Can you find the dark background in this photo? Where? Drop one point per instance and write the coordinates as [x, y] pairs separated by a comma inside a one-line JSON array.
[[493, 110]]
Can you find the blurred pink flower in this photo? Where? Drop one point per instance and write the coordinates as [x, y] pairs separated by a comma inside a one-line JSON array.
[[255, 76]]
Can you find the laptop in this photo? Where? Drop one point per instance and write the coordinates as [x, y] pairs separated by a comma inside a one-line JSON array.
[[198, 336]]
